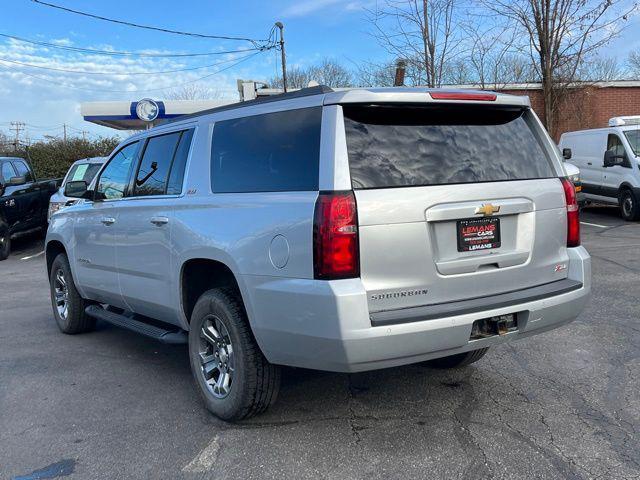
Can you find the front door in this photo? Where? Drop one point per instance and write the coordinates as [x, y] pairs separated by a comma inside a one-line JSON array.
[[96, 230], [144, 253], [11, 205], [613, 177]]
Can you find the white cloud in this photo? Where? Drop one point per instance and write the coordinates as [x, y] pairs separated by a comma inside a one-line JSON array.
[[62, 41], [307, 7], [40, 96]]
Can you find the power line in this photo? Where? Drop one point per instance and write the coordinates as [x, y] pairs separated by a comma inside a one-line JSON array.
[[72, 87], [85, 72], [91, 51], [17, 126], [147, 27]]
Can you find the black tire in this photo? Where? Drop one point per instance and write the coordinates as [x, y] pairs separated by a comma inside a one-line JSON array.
[[5, 241], [629, 206], [460, 360], [75, 320], [254, 382]]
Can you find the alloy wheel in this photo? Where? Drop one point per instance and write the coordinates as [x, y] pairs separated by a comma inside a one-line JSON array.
[[61, 294], [216, 356]]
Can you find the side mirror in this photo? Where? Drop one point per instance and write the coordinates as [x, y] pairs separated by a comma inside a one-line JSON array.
[[611, 159], [17, 181], [566, 153], [77, 189]]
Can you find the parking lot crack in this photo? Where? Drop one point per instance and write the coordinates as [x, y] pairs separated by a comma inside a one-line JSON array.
[[481, 468], [353, 416]]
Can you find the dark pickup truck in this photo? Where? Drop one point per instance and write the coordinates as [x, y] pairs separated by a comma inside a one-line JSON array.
[[23, 200]]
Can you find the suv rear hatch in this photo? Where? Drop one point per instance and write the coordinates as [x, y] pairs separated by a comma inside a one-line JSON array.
[[455, 201]]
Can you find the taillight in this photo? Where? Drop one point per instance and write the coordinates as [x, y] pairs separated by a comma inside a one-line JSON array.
[[477, 96], [573, 215], [335, 236]]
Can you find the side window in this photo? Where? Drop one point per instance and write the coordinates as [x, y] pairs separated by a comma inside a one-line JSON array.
[[23, 170], [155, 165], [272, 152], [115, 177], [615, 145], [7, 172], [174, 186]]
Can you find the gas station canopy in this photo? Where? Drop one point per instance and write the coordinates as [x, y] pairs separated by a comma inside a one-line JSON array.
[[144, 113], [147, 112]]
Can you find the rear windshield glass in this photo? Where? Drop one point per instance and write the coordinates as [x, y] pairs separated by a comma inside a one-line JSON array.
[[83, 172], [392, 146]]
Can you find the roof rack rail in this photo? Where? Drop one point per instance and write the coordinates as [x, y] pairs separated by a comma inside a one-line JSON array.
[[303, 92]]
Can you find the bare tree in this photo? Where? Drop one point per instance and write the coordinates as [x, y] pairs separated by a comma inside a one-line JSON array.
[[326, 72], [329, 72], [516, 68], [458, 72], [296, 78], [560, 34], [634, 64], [193, 91], [422, 31], [604, 69], [375, 75]]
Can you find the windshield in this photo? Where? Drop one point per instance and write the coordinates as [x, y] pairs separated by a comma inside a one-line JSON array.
[[401, 146], [633, 137], [83, 172]]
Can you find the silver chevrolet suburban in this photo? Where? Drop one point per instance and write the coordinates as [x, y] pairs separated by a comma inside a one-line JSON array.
[[334, 230]]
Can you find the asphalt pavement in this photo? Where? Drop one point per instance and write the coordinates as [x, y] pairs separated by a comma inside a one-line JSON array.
[[114, 405]]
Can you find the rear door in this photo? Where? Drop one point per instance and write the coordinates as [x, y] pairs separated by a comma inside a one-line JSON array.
[[587, 152], [29, 199], [454, 202]]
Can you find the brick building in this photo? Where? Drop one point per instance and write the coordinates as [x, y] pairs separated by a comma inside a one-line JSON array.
[[587, 106]]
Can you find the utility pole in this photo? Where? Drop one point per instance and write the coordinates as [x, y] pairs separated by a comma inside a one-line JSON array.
[[64, 128], [283, 55], [84, 135], [17, 126]]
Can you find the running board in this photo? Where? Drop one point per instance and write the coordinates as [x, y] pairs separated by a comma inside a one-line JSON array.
[[165, 336]]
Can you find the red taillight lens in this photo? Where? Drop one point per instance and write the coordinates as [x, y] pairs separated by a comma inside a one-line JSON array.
[[335, 236], [477, 96], [573, 213]]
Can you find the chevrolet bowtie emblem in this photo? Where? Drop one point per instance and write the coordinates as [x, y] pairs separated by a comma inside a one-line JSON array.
[[487, 210]]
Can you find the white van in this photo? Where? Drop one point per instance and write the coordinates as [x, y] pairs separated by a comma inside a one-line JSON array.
[[609, 163]]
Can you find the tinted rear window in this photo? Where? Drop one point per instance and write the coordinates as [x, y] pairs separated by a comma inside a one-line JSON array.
[[267, 153], [414, 146]]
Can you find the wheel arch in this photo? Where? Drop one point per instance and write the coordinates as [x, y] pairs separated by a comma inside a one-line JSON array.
[[52, 250], [627, 186], [201, 273]]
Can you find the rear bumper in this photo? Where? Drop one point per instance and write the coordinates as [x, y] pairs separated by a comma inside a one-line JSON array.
[[327, 325]]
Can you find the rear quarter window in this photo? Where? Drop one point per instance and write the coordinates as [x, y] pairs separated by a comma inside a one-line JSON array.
[[271, 152], [392, 146]]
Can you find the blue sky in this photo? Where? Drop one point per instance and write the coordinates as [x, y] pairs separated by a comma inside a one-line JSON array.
[[314, 29]]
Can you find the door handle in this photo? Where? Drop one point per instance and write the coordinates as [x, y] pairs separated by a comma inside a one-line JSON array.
[[108, 220], [159, 221], [589, 163]]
